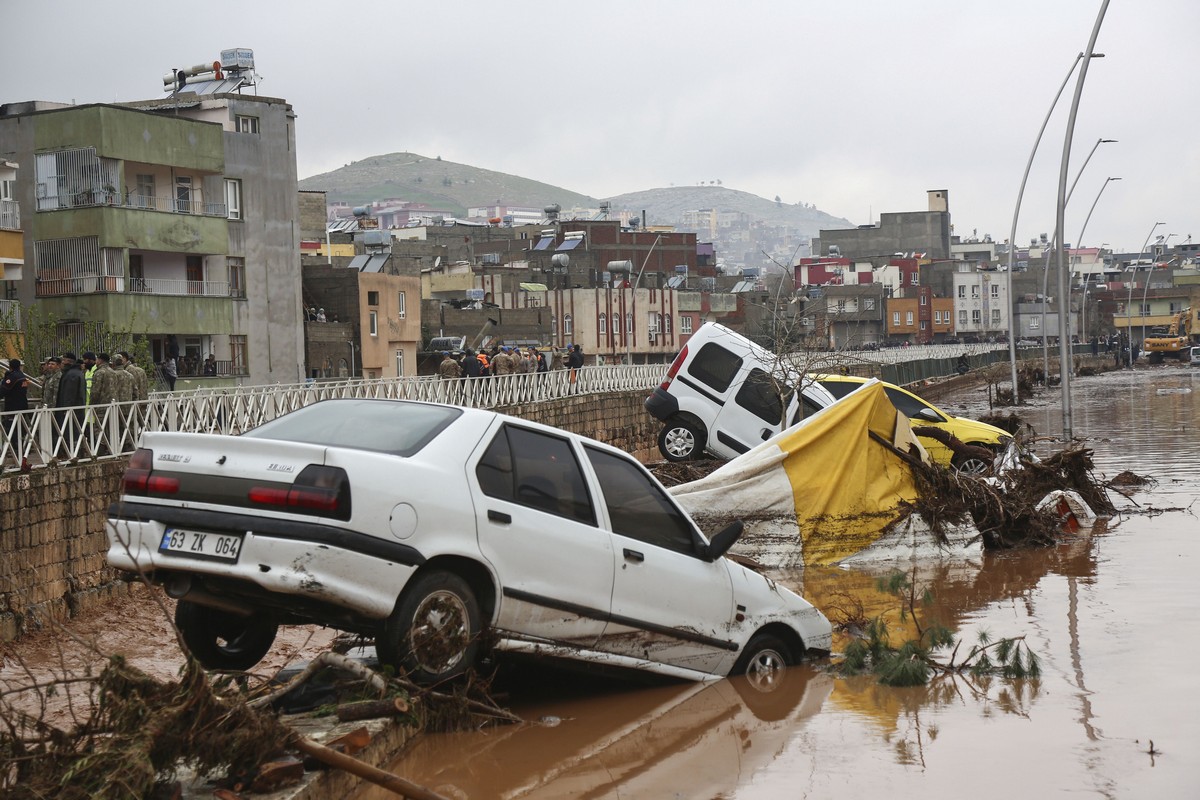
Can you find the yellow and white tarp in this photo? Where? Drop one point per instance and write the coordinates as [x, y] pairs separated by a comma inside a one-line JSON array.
[[822, 491]]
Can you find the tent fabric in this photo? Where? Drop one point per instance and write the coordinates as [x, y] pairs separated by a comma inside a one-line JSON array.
[[820, 491]]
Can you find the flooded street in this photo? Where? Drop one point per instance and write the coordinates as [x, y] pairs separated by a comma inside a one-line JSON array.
[[1111, 614]]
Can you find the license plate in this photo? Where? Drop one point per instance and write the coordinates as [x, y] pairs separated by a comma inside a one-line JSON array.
[[199, 544]]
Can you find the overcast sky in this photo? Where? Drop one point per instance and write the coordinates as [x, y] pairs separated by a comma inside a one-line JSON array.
[[855, 106]]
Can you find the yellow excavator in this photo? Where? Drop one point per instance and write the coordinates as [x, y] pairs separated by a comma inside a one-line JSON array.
[[1175, 342]]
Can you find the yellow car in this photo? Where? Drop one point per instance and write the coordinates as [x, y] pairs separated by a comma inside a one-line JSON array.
[[922, 413]]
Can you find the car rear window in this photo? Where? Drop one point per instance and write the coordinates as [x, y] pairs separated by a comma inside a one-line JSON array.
[[840, 389], [382, 426]]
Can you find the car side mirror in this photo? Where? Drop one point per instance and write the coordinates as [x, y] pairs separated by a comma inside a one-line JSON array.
[[719, 544], [929, 415]]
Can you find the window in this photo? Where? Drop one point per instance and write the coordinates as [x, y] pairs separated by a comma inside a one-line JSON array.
[[908, 318], [233, 198], [400, 363], [924, 324], [602, 323], [637, 508], [536, 470], [629, 323], [924, 299], [1035, 323], [655, 323], [374, 323], [238, 355], [760, 396], [245, 124], [685, 325], [962, 317], [237, 276], [976, 317], [974, 291], [962, 290], [896, 319], [715, 367], [667, 323], [372, 298], [568, 324], [907, 404], [868, 304], [401, 305], [995, 316], [916, 278], [841, 306], [995, 290]]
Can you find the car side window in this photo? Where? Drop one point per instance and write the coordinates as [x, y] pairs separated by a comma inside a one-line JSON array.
[[536, 470], [760, 395], [905, 403], [715, 367], [840, 389], [638, 507]]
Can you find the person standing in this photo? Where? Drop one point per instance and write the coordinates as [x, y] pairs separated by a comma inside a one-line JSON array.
[[575, 361], [502, 363], [449, 368], [170, 375], [51, 375], [470, 364], [104, 382], [89, 370], [15, 391], [72, 396], [141, 383], [124, 380], [210, 366]]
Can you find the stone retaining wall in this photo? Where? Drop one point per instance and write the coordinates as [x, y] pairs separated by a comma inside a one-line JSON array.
[[52, 544]]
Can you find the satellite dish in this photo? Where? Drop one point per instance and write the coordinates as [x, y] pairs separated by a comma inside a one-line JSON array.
[[437, 262]]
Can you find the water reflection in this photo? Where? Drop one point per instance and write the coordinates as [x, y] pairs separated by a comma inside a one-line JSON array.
[[682, 740]]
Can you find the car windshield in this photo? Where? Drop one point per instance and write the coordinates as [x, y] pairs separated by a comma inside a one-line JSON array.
[[383, 426]]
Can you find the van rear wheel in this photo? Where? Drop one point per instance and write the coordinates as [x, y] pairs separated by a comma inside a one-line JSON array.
[[680, 441]]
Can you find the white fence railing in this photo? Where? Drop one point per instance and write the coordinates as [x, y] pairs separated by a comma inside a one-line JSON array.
[[48, 436]]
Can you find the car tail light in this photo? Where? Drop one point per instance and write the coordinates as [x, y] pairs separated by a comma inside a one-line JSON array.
[[318, 490], [140, 478], [675, 365]]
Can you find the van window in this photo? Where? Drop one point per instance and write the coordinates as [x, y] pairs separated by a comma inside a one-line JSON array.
[[715, 367], [760, 395]]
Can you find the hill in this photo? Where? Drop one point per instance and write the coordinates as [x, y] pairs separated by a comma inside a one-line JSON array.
[[667, 206], [445, 184]]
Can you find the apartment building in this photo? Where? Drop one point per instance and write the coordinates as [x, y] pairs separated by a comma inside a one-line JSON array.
[[173, 218]]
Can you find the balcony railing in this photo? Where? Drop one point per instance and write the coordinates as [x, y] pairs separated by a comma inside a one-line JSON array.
[[92, 198], [10, 215], [179, 287], [10, 315]]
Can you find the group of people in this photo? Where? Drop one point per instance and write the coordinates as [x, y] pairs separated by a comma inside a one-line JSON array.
[[505, 360], [319, 315], [69, 382]]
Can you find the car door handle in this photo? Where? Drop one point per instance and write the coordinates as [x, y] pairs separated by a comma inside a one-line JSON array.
[[634, 555], [499, 516]]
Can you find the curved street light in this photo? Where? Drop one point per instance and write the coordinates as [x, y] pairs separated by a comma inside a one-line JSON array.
[[1129, 300], [1146, 287], [1012, 237], [1079, 243], [1054, 245], [1064, 333]]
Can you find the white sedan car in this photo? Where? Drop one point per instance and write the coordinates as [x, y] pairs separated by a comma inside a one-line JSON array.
[[426, 526]]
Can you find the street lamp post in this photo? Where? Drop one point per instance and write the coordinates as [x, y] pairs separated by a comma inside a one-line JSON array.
[[1055, 245], [1129, 301], [1146, 287], [1064, 336], [1012, 237], [1079, 243]]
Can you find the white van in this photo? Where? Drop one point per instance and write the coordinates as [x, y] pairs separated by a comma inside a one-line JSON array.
[[724, 394]]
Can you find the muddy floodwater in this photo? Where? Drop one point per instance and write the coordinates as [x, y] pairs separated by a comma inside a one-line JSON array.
[[1111, 613]]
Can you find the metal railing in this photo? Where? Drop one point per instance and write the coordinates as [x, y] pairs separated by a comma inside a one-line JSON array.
[[50, 436], [10, 215], [172, 286]]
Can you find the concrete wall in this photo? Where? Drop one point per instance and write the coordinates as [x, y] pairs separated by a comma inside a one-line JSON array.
[[53, 544]]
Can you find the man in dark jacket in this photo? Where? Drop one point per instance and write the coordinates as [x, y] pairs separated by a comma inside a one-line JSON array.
[[72, 393], [14, 388]]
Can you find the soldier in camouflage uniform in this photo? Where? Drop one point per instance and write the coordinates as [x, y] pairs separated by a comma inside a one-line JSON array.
[[51, 375], [141, 383], [104, 383], [449, 368], [124, 378]]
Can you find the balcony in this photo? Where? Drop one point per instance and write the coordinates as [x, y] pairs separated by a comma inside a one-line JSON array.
[[181, 287], [10, 215], [93, 198]]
